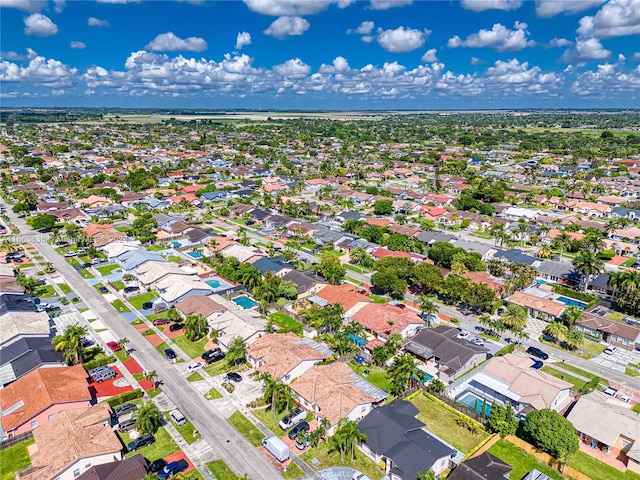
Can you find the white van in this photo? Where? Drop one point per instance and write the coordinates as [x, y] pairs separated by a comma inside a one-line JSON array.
[[177, 417], [293, 418], [277, 448]]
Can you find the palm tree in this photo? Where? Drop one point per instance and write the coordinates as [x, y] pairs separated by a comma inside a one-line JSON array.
[[347, 435], [393, 343], [152, 376], [574, 338], [593, 239], [195, 327], [556, 330], [588, 264], [70, 344], [275, 392], [514, 316], [8, 246], [562, 241], [400, 373], [237, 352], [428, 308], [242, 236], [544, 252], [354, 328], [520, 230], [148, 418], [571, 315], [123, 344]]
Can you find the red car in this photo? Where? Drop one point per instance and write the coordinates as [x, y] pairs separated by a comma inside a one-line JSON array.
[[161, 321], [114, 347]]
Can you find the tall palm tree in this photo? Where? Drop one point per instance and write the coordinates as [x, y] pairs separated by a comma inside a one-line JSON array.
[[514, 316], [400, 373], [152, 376], [8, 246], [574, 338], [544, 252], [556, 330], [521, 230], [148, 418], [70, 344], [562, 241], [571, 315], [587, 264], [428, 308], [593, 240], [195, 327], [123, 344]]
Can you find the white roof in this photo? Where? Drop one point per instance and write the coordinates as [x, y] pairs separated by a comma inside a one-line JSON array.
[[521, 212], [23, 323], [115, 249], [240, 252], [172, 287], [151, 272], [230, 325], [496, 385]]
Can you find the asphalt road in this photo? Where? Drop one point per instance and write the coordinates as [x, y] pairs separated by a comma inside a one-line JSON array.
[[224, 439]]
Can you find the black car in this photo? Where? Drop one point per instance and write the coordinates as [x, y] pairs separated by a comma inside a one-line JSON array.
[[141, 442], [131, 289], [298, 429], [170, 354], [536, 352], [213, 356], [156, 465], [147, 305], [103, 289], [234, 377], [176, 326], [126, 408]]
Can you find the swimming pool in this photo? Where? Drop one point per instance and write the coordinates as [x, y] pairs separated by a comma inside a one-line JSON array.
[[244, 301], [570, 302], [195, 255], [213, 283], [475, 403]]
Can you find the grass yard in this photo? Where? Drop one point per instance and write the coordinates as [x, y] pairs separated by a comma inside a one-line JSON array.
[[155, 248], [521, 461], [162, 347], [221, 470], [378, 298], [108, 269], [174, 258], [86, 274], [577, 382], [217, 368], [246, 428], [265, 415], [45, 291], [186, 430], [286, 323], [120, 306], [163, 446], [213, 394], [355, 268], [118, 285], [580, 372], [376, 376], [72, 261], [14, 458], [138, 300], [631, 372], [331, 458], [636, 408], [193, 349], [194, 377], [293, 471], [598, 470], [65, 288], [442, 422], [354, 281]]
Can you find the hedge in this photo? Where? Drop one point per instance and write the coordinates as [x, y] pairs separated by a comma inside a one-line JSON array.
[[571, 293], [125, 397], [100, 360], [506, 349]]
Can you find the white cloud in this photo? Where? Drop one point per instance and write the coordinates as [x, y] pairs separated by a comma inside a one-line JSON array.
[[549, 8], [635, 56], [284, 27], [289, 8], [29, 6], [559, 42], [97, 22], [243, 39], [59, 5], [78, 45], [499, 38], [339, 65], [367, 38], [170, 42], [586, 49], [365, 28], [387, 4], [476, 61], [294, 68], [40, 72], [402, 39], [429, 56], [39, 25], [607, 81], [481, 5], [616, 18]]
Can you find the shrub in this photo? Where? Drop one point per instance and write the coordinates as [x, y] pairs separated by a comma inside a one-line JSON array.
[[606, 254], [506, 349], [125, 397], [571, 293], [454, 320], [590, 385], [100, 360]]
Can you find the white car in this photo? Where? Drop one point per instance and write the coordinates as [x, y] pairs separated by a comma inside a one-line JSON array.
[[610, 350], [359, 476], [194, 367], [478, 341], [462, 334]]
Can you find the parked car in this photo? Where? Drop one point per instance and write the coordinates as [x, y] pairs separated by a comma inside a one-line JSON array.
[[141, 442], [303, 441], [100, 369], [359, 476], [160, 308], [147, 305], [130, 289], [610, 350], [104, 376], [161, 321], [176, 326], [173, 468], [156, 465], [298, 429], [113, 346], [170, 354], [463, 334], [127, 425], [103, 289], [536, 352], [213, 355], [176, 416], [233, 376], [70, 254], [478, 341], [292, 418], [126, 408], [194, 367]]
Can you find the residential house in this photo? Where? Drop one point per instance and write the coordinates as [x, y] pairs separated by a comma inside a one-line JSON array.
[[173, 289], [482, 467], [25, 353], [285, 356], [485, 250], [346, 295], [608, 424], [131, 260], [543, 308], [242, 253], [132, 468], [399, 441], [432, 237], [602, 329], [115, 250], [93, 201], [629, 213], [150, 273], [201, 305], [600, 287], [382, 320], [308, 282], [83, 438], [560, 272], [217, 196], [334, 392], [443, 354], [278, 266], [511, 380], [231, 324], [39, 396]]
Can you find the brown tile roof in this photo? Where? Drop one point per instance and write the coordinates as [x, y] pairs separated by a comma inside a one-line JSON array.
[[101, 239], [95, 228], [619, 329], [132, 468], [201, 304], [41, 388], [484, 277], [332, 388], [376, 317], [280, 353], [536, 303], [68, 437], [347, 295]]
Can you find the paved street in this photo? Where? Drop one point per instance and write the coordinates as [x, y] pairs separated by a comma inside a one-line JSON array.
[[226, 442]]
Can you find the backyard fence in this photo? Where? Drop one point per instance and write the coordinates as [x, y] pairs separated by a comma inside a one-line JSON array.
[[295, 316], [11, 441]]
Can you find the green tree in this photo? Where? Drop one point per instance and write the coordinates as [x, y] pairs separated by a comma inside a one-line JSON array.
[[571, 315], [383, 207], [330, 268], [70, 344], [561, 242], [400, 373], [427, 308], [123, 342], [152, 376], [501, 420], [148, 418], [237, 352], [195, 327], [288, 290], [428, 475], [43, 221], [348, 436], [556, 330], [587, 264], [574, 338], [514, 316], [552, 433]]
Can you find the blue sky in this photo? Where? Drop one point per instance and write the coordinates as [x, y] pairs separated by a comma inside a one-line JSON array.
[[321, 54]]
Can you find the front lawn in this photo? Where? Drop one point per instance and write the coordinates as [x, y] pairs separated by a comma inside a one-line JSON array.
[[194, 377], [107, 269], [598, 470], [376, 375], [215, 369], [246, 428], [118, 285], [286, 323], [443, 423], [120, 306], [14, 458], [45, 291], [331, 458], [213, 394], [521, 461], [86, 274], [292, 471], [174, 258], [66, 289], [577, 382], [138, 300], [221, 470], [378, 298], [163, 446], [193, 349], [186, 430], [155, 248], [265, 415]]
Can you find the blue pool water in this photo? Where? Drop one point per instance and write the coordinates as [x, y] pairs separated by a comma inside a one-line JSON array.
[[195, 255], [213, 283], [570, 302], [472, 401], [244, 301]]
